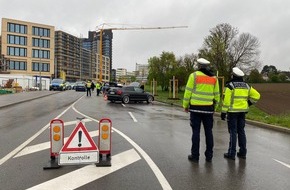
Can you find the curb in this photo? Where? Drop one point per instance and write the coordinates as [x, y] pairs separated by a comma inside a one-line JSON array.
[[27, 100], [251, 122]]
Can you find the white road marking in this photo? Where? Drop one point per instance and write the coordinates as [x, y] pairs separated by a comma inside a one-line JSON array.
[[89, 173], [162, 180], [75, 122], [46, 145], [287, 165], [123, 105], [20, 147], [132, 116]]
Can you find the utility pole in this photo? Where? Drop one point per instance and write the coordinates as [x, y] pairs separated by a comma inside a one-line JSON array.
[[40, 64]]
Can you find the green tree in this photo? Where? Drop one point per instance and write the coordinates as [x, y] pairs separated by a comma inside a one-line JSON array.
[[255, 77], [271, 69], [162, 69], [225, 49], [282, 77]]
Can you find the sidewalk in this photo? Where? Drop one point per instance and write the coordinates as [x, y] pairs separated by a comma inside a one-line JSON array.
[[7, 100]]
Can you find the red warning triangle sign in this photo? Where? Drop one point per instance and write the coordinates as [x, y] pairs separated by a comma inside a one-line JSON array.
[[79, 140]]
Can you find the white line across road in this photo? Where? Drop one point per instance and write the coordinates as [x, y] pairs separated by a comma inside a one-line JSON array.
[[287, 165], [46, 145], [133, 117], [162, 180], [16, 150], [89, 173]]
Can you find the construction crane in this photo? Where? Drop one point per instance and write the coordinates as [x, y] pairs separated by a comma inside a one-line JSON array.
[[101, 28]]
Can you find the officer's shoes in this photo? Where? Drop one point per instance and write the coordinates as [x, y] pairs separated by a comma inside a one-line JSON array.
[[226, 155], [192, 159], [208, 159], [241, 155]]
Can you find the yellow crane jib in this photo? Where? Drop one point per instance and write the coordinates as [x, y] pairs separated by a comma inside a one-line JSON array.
[[102, 27]]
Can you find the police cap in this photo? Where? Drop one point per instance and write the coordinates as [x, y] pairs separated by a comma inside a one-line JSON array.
[[238, 72], [203, 61]]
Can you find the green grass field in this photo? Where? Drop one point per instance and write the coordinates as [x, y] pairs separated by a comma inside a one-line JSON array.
[[254, 113]]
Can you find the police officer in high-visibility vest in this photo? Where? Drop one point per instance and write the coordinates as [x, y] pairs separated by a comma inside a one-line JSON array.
[[238, 96], [89, 87], [201, 96]]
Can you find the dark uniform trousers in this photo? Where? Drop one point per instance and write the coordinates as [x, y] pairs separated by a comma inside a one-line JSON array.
[[195, 122], [236, 125]]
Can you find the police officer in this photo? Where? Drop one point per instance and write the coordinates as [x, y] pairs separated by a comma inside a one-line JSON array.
[[89, 87], [238, 97], [200, 97]]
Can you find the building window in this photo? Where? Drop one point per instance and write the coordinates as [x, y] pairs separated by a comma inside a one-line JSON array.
[[17, 65], [37, 66], [37, 42], [40, 31], [19, 40], [37, 53], [17, 51], [17, 28]]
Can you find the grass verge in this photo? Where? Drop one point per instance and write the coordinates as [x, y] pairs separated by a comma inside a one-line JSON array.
[[254, 113]]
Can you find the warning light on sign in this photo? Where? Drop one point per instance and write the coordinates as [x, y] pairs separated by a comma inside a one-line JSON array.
[[56, 135]]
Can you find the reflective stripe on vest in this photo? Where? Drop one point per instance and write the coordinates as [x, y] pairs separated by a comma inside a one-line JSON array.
[[200, 80]]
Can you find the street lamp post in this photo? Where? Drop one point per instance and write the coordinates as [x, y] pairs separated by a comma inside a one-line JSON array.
[[40, 64]]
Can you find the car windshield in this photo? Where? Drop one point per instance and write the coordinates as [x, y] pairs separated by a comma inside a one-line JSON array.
[[56, 81]]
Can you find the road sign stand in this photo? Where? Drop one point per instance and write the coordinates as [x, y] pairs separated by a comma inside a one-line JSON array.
[[104, 161], [56, 142], [52, 164], [104, 143]]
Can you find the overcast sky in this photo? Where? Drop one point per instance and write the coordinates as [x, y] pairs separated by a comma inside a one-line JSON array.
[[268, 20]]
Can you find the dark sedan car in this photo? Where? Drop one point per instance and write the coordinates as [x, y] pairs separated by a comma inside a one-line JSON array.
[[129, 93], [80, 87]]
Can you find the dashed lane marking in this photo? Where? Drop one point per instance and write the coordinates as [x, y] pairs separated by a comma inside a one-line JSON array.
[[287, 165], [133, 117]]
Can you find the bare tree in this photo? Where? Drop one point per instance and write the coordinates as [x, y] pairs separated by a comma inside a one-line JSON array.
[[226, 49]]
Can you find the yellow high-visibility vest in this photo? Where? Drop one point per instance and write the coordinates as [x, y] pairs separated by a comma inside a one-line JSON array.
[[201, 90], [236, 97], [89, 84]]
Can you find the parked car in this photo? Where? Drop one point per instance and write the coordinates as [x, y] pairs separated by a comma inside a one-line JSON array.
[[57, 84], [80, 86], [108, 85], [129, 93], [68, 86]]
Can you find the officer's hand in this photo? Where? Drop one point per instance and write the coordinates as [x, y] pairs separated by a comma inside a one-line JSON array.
[[186, 110], [223, 116], [250, 103]]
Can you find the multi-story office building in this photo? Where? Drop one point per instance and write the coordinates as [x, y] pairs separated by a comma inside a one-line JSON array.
[[76, 58], [28, 48], [67, 56], [38, 50], [94, 39], [106, 68], [142, 72]]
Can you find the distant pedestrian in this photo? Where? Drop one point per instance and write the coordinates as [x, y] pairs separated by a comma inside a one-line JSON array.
[[200, 98], [89, 87], [93, 86], [98, 87], [238, 97]]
